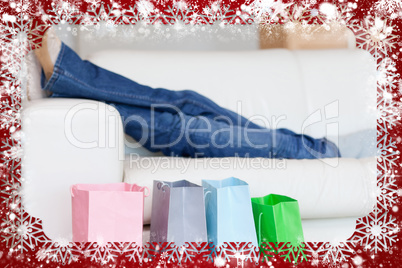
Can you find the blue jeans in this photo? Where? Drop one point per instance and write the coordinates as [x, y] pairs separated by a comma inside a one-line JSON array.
[[182, 123]]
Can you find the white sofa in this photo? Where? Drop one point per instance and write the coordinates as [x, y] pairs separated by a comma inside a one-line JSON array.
[[320, 93]]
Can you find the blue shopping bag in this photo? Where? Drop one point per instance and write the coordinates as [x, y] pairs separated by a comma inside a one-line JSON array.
[[228, 211]]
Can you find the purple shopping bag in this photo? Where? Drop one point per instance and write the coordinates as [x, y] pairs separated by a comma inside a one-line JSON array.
[[178, 212], [108, 212]]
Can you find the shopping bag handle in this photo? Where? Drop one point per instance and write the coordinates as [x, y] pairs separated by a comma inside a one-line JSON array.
[[259, 228], [72, 187], [206, 193], [146, 194], [161, 186], [144, 189]]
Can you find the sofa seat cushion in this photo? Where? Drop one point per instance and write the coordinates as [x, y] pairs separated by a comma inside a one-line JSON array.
[[323, 191]]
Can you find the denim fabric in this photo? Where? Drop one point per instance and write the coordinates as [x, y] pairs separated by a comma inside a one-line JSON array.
[[183, 123]]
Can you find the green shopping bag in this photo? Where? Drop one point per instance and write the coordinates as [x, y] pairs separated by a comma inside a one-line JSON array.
[[277, 219]]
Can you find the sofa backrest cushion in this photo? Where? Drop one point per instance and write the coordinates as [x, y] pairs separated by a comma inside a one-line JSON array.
[[316, 92]]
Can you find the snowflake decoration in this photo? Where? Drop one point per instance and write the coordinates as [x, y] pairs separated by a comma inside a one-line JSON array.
[[170, 252], [299, 18], [376, 232], [269, 12], [22, 232], [298, 14], [375, 35], [10, 187], [293, 252], [219, 262], [133, 252], [382, 129], [150, 250], [241, 252], [11, 150], [337, 15], [61, 13], [133, 16], [387, 155], [10, 118], [17, 40], [184, 14], [9, 89], [189, 251], [218, 13], [178, 16], [59, 251], [335, 252], [103, 253], [391, 8], [386, 190], [267, 250], [387, 112], [387, 76], [108, 14]]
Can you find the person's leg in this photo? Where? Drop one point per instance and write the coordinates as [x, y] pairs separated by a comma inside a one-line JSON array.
[[73, 77], [229, 141], [358, 144], [48, 52], [183, 135]]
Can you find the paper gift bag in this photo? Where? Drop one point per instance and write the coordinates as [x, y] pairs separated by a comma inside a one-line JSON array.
[[277, 219], [228, 210], [178, 213], [108, 212]]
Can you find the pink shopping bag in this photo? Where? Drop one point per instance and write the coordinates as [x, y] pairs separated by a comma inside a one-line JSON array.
[[108, 212]]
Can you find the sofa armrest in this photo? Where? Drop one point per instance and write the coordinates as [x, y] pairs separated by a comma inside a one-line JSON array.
[[67, 141]]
